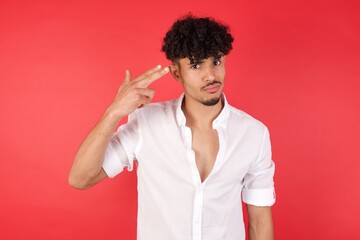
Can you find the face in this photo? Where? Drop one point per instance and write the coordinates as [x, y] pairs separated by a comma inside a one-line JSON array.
[[202, 80]]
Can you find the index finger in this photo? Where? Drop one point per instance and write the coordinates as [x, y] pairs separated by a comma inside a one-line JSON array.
[[154, 76], [147, 73]]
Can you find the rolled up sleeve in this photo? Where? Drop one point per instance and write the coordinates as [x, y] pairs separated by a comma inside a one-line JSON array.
[[123, 147], [258, 183]]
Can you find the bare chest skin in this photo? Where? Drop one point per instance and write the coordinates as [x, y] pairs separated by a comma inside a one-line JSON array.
[[205, 143]]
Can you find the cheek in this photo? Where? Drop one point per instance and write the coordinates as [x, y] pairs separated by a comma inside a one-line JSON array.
[[221, 73], [191, 80], [190, 75], [189, 84]]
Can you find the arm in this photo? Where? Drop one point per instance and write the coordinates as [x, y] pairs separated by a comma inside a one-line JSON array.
[[86, 170], [260, 223]]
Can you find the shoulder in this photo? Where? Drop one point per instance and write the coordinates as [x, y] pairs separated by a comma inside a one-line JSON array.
[[157, 110], [240, 118], [159, 106]]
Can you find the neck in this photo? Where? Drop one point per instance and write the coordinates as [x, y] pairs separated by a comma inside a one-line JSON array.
[[198, 115]]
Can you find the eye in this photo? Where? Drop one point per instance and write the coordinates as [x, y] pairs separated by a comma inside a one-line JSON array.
[[195, 66], [217, 62]]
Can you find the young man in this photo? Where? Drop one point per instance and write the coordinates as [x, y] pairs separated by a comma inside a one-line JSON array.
[[196, 155]]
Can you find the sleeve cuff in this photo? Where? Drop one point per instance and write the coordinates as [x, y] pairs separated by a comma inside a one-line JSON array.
[[129, 155], [259, 197], [112, 165]]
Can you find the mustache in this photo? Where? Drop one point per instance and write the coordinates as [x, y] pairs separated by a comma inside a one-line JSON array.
[[211, 83]]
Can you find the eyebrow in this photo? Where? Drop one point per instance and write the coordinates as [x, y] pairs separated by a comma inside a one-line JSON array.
[[193, 61]]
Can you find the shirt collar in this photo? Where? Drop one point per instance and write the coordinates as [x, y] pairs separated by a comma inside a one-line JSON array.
[[220, 121]]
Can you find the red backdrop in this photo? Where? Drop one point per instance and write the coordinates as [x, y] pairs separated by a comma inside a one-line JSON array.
[[295, 66]]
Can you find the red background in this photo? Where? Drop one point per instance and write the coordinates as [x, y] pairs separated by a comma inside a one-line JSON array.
[[295, 66]]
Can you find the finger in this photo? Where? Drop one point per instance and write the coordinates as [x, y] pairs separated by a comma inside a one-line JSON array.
[[147, 92], [144, 101], [147, 73], [127, 76], [153, 77], [126, 80]]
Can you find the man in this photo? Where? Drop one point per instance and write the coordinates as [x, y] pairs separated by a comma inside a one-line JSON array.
[[196, 155]]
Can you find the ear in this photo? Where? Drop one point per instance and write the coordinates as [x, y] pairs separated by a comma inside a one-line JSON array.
[[175, 71]]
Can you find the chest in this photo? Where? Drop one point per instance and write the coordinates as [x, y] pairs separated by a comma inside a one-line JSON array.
[[205, 144], [174, 155]]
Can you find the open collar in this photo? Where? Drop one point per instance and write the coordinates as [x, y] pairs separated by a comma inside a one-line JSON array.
[[220, 121]]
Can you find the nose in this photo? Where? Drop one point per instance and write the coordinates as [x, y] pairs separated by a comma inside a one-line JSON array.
[[209, 74]]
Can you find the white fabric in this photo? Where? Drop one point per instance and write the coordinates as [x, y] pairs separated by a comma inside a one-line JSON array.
[[173, 203]]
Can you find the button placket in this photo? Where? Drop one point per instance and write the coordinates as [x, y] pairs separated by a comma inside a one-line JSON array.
[[199, 187]]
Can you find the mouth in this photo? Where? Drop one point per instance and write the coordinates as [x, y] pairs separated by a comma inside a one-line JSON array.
[[213, 88]]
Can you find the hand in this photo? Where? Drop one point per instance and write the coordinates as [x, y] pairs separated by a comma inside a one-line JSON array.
[[133, 93]]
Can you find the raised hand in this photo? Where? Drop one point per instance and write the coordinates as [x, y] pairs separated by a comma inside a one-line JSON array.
[[134, 93]]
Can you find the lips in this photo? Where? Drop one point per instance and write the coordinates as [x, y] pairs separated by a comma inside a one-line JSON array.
[[212, 88]]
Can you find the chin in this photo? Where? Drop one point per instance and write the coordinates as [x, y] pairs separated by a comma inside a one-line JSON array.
[[211, 102]]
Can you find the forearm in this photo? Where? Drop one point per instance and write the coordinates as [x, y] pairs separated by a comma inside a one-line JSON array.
[[261, 231], [89, 158], [260, 223]]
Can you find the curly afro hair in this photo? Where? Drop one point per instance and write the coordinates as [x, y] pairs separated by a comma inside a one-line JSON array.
[[197, 39]]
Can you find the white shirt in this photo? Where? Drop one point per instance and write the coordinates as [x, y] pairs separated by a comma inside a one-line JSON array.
[[173, 203]]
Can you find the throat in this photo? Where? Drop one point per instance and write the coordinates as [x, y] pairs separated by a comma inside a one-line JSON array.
[[199, 115]]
